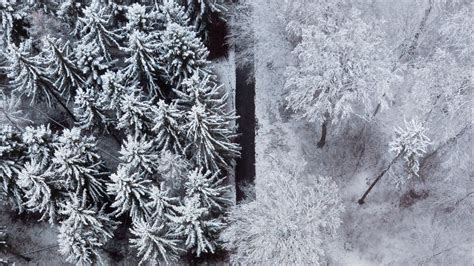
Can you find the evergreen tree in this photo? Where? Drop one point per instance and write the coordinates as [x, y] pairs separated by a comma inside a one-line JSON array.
[[113, 87], [142, 67], [195, 226], [208, 188], [87, 109], [10, 13], [160, 201], [172, 168], [168, 120], [204, 12], [154, 241], [138, 152], [182, 53], [62, 68], [84, 231], [209, 138], [40, 188], [95, 33], [28, 76], [39, 142], [91, 63], [140, 18], [70, 11], [130, 189], [170, 11], [136, 113], [12, 152], [205, 91], [79, 165]]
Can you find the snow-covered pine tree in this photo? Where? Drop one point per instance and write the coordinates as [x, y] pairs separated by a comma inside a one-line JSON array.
[[136, 113], [130, 190], [10, 13], [161, 201], [91, 63], [12, 157], [208, 188], [342, 68], [62, 68], [204, 90], [172, 168], [154, 241], [171, 11], [192, 222], [140, 153], [88, 112], [113, 87], [141, 18], [209, 138], [77, 162], [28, 76], [182, 53], [142, 66], [84, 230], [410, 143], [95, 32], [203, 12], [40, 142], [168, 123], [41, 190], [70, 11]]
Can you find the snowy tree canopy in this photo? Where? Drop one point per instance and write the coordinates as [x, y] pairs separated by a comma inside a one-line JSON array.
[[172, 11], [136, 113], [208, 188], [136, 75], [193, 223], [130, 190], [142, 65], [84, 231], [411, 143], [182, 53], [78, 163], [168, 123], [87, 109], [39, 186], [341, 69], [40, 143], [12, 153], [288, 223], [95, 33], [28, 74], [161, 201], [154, 241], [209, 138], [62, 67], [140, 18], [139, 152]]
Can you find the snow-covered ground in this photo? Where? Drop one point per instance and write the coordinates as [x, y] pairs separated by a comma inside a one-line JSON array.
[[425, 223]]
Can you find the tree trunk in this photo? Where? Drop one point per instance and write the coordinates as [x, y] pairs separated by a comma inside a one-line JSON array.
[[362, 199], [324, 130]]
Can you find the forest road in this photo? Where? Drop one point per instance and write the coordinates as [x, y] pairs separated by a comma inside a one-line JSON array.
[[245, 108]]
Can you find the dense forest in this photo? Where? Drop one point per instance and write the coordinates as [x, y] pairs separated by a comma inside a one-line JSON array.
[[262, 132]]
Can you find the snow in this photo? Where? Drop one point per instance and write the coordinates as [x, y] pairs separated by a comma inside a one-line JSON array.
[[395, 226]]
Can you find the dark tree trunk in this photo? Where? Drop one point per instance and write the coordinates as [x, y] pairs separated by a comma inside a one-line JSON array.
[[324, 129], [362, 199]]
